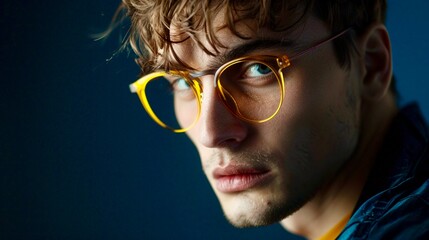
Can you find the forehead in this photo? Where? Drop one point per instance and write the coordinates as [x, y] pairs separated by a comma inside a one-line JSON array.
[[196, 49], [203, 44]]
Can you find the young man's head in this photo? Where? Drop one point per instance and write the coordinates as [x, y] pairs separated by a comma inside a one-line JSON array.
[[278, 96]]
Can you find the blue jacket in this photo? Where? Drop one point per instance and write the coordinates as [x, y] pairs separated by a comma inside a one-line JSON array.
[[395, 201]]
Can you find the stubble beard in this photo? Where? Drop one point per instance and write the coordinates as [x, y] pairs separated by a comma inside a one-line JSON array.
[[269, 209]]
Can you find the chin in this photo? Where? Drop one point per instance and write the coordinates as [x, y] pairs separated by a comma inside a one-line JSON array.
[[248, 210], [246, 221]]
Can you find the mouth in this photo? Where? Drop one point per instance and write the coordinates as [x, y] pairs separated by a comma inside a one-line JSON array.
[[232, 179]]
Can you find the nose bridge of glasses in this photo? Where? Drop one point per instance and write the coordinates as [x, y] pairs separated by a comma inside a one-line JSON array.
[[217, 92], [199, 74], [197, 82]]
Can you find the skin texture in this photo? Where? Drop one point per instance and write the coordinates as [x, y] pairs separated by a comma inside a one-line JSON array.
[[318, 149]]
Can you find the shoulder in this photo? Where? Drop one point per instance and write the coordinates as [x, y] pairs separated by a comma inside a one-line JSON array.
[[395, 201], [405, 218], [403, 215]]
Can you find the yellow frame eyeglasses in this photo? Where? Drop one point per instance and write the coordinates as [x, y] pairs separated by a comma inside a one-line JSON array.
[[276, 65]]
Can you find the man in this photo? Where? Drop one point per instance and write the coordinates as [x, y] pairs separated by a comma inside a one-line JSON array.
[[292, 109]]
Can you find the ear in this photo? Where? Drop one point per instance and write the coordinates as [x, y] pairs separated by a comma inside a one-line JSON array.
[[377, 57]]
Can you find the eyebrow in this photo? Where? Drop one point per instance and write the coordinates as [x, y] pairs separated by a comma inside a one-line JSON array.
[[244, 49], [252, 46]]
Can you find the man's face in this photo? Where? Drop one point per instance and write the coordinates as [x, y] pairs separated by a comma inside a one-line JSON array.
[[262, 173]]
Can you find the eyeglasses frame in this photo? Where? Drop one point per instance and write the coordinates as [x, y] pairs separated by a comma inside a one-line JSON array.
[[283, 61]]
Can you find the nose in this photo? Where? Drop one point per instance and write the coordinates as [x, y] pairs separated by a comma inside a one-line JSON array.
[[218, 127]]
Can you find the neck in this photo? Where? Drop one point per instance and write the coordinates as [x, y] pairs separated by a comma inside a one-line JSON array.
[[337, 198]]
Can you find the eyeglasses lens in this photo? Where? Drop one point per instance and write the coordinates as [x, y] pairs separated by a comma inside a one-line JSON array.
[[173, 101], [251, 89]]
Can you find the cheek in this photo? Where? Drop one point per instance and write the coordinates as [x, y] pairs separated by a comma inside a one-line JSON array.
[[186, 112], [319, 115], [193, 135]]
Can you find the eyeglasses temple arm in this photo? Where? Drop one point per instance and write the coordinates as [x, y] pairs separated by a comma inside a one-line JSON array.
[[320, 44]]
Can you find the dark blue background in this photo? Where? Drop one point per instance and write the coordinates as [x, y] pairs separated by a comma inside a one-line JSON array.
[[80, 159]]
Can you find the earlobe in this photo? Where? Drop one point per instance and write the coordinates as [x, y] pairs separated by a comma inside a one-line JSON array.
[[377, 56]]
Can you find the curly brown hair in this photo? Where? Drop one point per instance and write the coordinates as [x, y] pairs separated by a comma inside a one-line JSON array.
[[151, 22]]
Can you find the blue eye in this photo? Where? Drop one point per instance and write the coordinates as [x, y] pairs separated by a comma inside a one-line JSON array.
[[180, 84], [257, 70], [182, 89]]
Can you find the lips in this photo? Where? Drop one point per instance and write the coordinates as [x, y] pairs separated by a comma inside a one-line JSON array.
[[239, 178]]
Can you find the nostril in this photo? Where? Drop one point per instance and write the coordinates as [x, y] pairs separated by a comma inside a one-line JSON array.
[[222, 135]]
